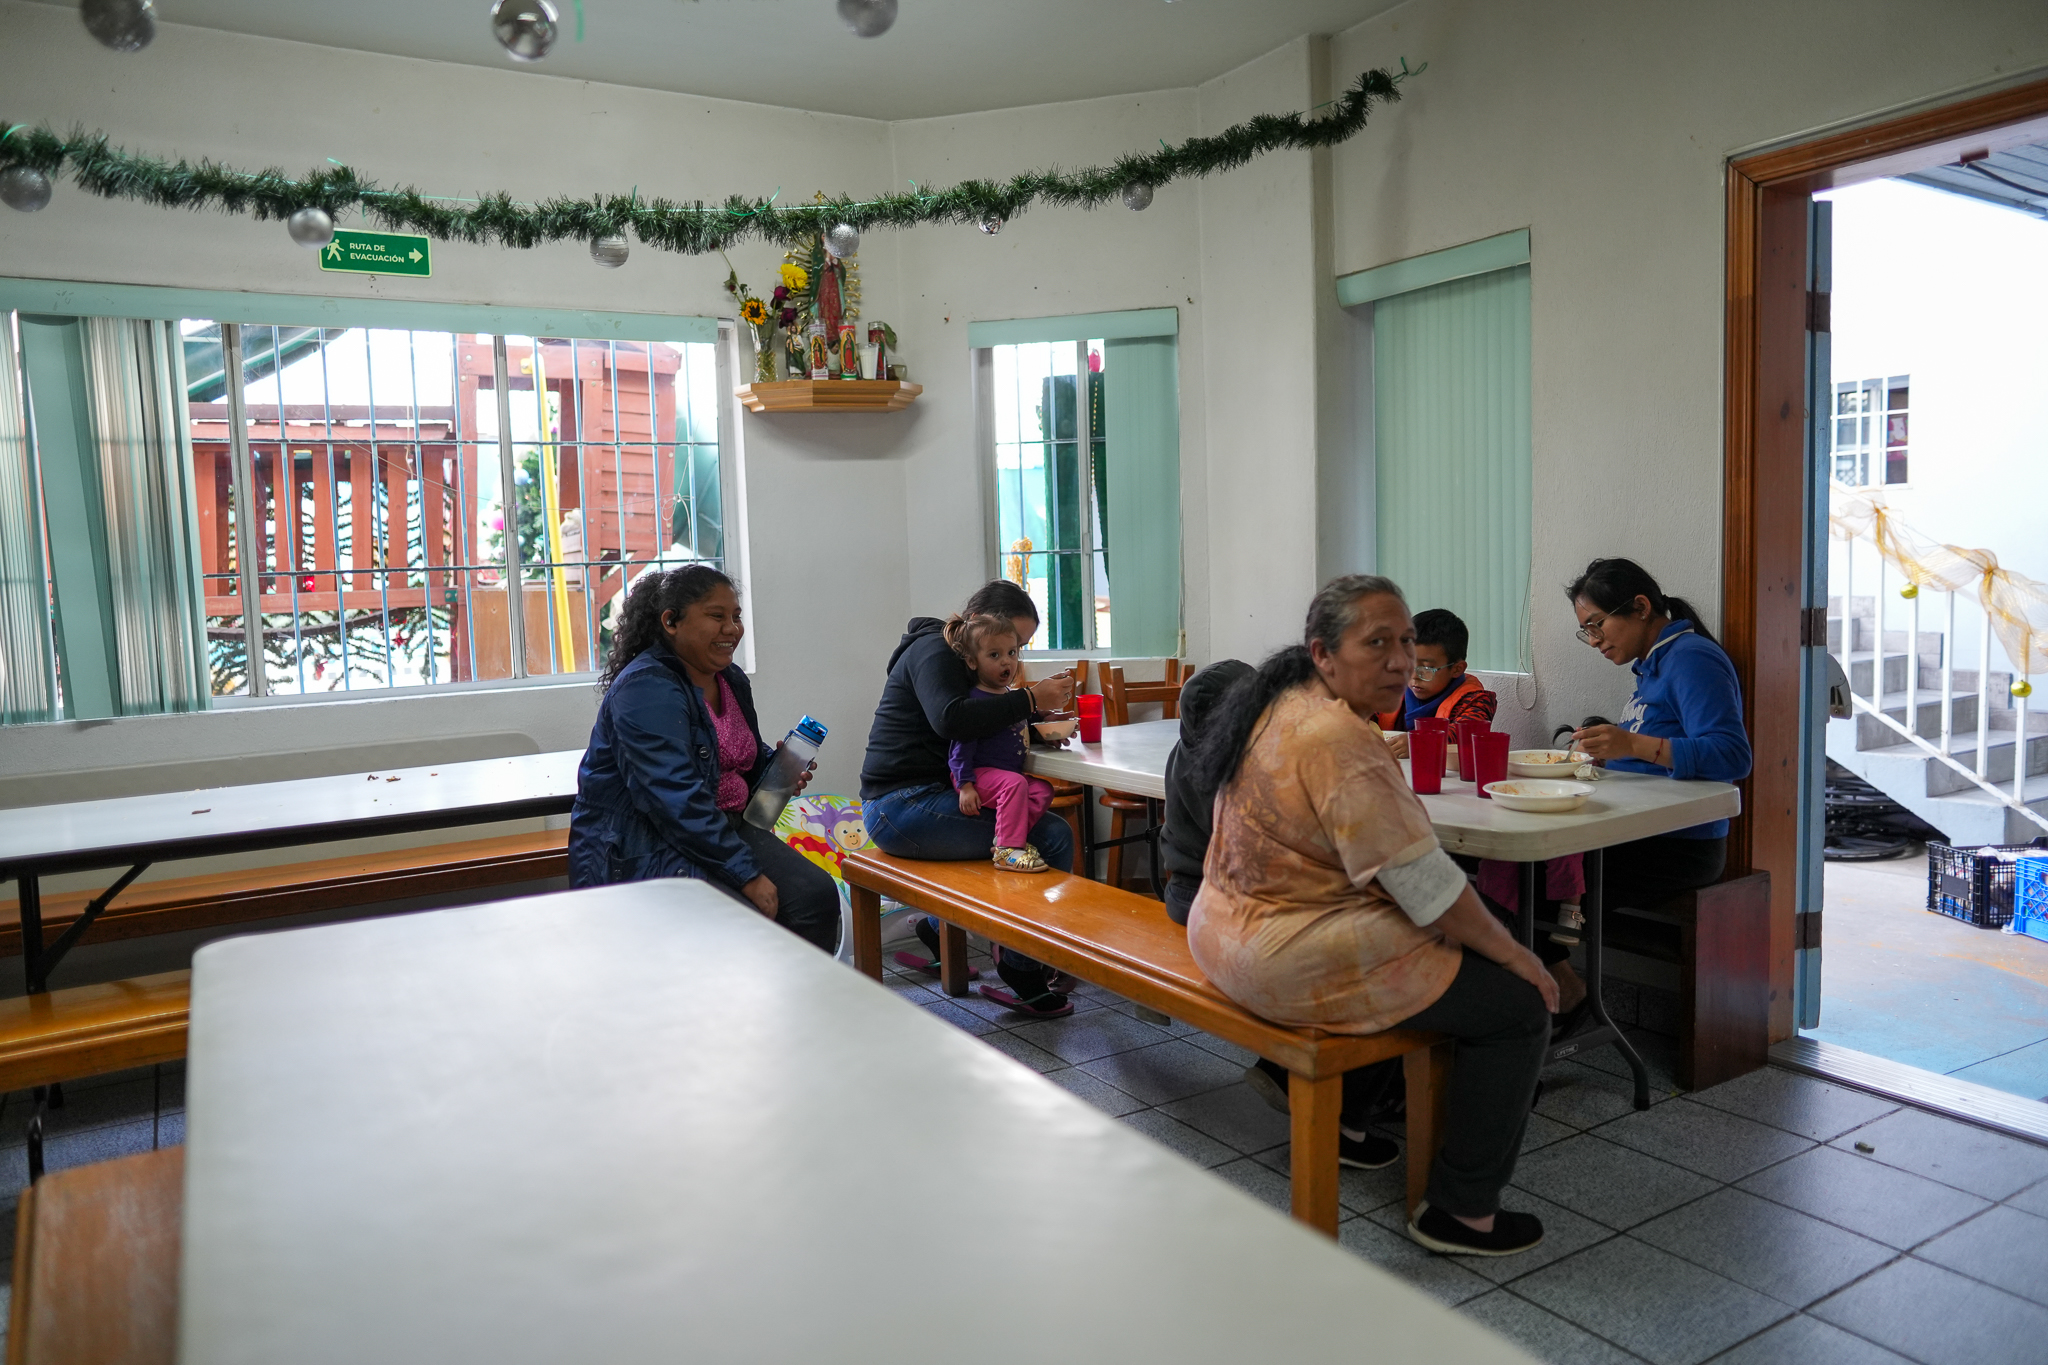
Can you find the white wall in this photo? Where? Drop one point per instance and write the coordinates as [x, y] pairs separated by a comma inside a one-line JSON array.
[[825, 497], [1953, 292], [1601, 125], [1604, 126]]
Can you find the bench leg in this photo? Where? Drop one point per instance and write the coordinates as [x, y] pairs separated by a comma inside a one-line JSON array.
[[867, 930], [1313, 1107], [953, 958], [1428, 1074]]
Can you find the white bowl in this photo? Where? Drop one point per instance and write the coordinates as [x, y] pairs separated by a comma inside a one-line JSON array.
[[1056, 731], [1546, 798], [1544, 762]]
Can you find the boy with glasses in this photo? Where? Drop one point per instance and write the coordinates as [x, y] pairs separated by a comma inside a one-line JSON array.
[[1441, 686]]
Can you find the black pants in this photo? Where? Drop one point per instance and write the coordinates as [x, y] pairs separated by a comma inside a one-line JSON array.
[[807, 897], [1502, 1031], [1180, 896]]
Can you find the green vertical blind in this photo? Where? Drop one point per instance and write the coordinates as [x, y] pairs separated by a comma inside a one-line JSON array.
[[1143, 505], [1451, 439], [28, 681]]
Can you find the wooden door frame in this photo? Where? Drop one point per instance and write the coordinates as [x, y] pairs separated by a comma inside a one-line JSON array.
[[1763, 523]]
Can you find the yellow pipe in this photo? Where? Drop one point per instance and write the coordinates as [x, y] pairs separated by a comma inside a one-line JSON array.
[[550, 454]]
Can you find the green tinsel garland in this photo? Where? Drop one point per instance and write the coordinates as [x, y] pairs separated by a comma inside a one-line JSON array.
[[692, 228]]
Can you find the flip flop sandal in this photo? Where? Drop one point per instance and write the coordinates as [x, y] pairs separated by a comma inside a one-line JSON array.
[[1039, 1007], [926, 965], [1061, 982], [1024, 859]]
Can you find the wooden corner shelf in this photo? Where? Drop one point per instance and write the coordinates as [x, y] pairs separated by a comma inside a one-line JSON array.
[[830, 395]]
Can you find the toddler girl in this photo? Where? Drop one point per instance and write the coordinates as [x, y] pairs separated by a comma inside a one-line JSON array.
[[990, 772]]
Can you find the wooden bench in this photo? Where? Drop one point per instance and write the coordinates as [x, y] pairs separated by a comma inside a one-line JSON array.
[[1124, 943], [96, 1264], [213, 899], [1722, 952]]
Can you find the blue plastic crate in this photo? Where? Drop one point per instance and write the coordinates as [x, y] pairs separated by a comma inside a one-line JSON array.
[[2030, 897]]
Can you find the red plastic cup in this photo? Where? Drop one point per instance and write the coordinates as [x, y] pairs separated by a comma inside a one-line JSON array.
[[1490, 758], [1089, 706], [1437, 723], [1466, 729], [1426, 760]]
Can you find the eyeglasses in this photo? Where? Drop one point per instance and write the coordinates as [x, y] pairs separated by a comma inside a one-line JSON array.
[[1426, 671], [1595, 629]]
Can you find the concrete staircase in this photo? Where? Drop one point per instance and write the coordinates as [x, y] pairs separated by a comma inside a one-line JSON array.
[[1910, 775]]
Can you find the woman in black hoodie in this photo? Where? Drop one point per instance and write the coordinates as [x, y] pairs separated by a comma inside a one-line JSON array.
[[1190, 802], [907, 798]]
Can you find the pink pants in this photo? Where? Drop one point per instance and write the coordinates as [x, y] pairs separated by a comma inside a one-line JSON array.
[[1018, 802]]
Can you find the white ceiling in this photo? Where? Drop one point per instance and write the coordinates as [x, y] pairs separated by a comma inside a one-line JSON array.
[[942, 57]]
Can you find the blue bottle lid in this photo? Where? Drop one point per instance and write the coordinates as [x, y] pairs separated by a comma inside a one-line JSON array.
[[811, 730]]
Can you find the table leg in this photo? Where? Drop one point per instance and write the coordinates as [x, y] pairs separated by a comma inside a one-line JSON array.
[[953, 958], [1087, 823], [1528, 924], [1313, 1108], [867, 930], [1155, 820], [30, 887], [1596, 934]]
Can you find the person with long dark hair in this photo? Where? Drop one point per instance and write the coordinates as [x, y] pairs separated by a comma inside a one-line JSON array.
[[675, 755], [908, 800], [1326, 902], [1684, 721]]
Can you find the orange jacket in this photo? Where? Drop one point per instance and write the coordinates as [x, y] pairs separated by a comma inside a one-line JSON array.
[[1466, 701]]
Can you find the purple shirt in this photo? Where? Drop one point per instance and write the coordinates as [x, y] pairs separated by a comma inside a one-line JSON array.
[[736, 751], [1004, 749]]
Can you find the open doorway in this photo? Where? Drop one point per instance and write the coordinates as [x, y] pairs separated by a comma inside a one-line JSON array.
[[1852, 279], [1933, 440]]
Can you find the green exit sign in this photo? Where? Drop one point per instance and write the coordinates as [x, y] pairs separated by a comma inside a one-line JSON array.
[[377, 253]]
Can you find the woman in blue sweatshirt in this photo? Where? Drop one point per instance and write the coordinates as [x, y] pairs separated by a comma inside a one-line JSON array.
[[1684, 721]]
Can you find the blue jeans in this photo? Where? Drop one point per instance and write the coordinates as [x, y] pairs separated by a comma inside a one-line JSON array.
[[926, 823]]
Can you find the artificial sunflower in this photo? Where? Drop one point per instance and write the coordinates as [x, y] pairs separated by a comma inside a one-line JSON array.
[[795, 276], [754, 312]]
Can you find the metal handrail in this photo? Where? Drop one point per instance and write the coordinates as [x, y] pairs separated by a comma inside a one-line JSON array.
[[2015, 798]]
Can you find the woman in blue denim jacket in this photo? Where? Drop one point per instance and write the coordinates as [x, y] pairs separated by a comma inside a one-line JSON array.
[[675, 755]]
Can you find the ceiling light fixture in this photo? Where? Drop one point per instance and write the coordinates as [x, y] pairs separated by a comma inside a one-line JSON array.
[[868, 18]]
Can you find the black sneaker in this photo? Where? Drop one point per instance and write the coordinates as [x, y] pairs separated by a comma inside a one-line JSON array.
[[1269, 1083], [1369, 1153], [1512, 1233]]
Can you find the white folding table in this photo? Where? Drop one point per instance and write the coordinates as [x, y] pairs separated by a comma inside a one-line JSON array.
[[1624, 807], [136, 831], [642, 1124]]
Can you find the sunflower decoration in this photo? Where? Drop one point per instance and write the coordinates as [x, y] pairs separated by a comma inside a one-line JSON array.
[[754, 312]]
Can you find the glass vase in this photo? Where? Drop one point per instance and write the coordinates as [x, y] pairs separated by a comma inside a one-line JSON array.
[[764, 360]]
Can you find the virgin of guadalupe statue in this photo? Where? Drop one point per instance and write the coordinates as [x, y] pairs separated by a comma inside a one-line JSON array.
[[831, 289]]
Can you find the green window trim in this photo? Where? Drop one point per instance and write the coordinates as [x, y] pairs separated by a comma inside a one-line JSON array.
[[1123, 326], [1482, 257], [74, 298]]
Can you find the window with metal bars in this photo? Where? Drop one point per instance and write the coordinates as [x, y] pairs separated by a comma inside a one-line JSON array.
[[1045, 405], [387, 490], [1871, 427], [382, 534]]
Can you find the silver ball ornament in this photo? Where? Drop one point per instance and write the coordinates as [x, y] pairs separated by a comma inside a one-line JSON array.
[[123, 25], [311, 226], [1137, 196], [992, 224], [24, 188], [868, 18], [526, 29], [609, 252], [843, 240]]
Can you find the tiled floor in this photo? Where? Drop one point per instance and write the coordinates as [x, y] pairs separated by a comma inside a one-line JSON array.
[[1744, 1224]]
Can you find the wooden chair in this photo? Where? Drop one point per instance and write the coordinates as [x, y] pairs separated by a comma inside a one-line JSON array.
[[1118, 697], [1066, 796], [1121, 942], [96, 1264]]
